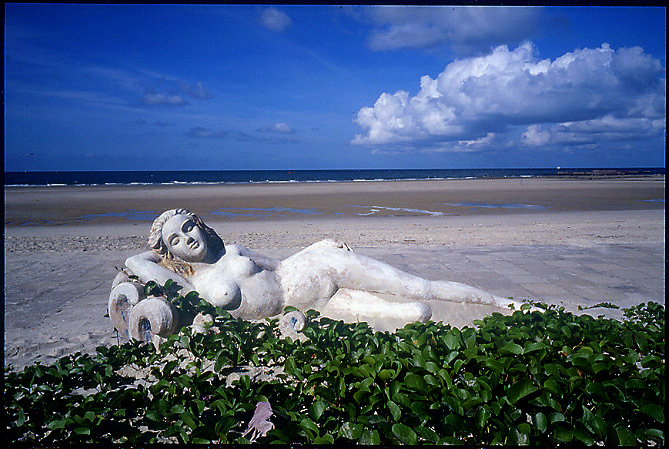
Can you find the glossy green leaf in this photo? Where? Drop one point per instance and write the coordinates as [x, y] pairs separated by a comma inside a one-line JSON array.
[[395, 410], [541, 422], [370, 437], [308, 424], [404, 433], [553, 387], [583, 436], [290, 365], [517, 438], [316, 410], [520, 389], [386, 374], [451, 341], [415, 382], [494, 365], [402, 399], [351, 431], [21, 417], [533, 346], [427, 434], [597, 390], [562, 435], [188, 419], [325, 439], [154, 416], [556, 417], [482, 416], [654, 411], [598, 424], [624, 437], [511, 348]]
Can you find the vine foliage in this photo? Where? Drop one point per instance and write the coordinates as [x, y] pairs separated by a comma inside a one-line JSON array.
[[544, 378]]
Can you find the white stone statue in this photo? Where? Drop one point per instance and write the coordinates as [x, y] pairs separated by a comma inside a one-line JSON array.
[[326, 276]]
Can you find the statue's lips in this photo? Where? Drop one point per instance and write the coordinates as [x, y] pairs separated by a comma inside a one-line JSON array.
[[194, 245]]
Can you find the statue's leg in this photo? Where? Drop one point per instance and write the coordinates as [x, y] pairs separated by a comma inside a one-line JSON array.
[[457, 292], [321, 271], [349, 270], [364, 305]]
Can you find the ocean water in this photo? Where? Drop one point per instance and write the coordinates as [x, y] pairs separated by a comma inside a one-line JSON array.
[[90, 178]]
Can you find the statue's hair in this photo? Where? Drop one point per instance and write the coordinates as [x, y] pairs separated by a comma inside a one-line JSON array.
[[156, 242]]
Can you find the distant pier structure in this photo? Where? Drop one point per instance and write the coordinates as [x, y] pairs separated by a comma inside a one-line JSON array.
[[602, 173]]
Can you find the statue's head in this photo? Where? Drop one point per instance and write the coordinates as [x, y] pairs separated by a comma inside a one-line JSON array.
[[179, 235]]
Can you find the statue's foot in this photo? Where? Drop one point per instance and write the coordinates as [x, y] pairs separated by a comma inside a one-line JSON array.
[[457, 292], [507, 302]]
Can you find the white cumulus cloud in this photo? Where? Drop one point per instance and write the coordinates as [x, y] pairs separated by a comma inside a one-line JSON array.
[[535, 136], [578, 96], [275, 20]]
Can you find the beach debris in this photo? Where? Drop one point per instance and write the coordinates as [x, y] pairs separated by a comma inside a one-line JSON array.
[[292, 323], [260, 423], [200, 321]]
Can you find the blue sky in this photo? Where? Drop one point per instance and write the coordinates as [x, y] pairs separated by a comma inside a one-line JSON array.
[[192, 87]]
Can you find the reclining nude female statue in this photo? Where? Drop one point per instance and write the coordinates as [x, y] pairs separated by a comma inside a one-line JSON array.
[[327, 276]]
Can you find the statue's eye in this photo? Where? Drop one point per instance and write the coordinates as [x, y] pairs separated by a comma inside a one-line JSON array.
[[188, 226], [174, 241]]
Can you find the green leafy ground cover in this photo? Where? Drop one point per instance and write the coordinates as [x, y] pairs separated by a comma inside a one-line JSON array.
[[541, 378]]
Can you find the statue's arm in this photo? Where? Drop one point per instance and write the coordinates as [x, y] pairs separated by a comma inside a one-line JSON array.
[[146, 267]]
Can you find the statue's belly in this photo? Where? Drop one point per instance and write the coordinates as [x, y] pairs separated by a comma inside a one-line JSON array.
[[261, 296], [305, 284]]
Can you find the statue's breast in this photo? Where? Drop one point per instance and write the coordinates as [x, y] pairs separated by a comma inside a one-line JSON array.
[[240, 267], [218, 289]]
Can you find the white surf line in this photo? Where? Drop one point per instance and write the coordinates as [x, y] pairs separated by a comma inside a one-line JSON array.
[[375, 209]]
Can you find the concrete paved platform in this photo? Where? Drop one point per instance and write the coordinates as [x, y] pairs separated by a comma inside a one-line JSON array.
[[55, 302]]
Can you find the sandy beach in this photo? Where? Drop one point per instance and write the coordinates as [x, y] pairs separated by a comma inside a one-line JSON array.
[[574, 242]]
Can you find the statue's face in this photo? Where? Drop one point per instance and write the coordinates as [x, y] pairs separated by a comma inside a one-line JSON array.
[[184, 238]]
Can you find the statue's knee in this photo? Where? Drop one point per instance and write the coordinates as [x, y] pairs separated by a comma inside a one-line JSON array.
[[331, 243]]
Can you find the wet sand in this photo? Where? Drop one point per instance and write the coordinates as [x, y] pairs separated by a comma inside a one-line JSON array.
[[73, 205]]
